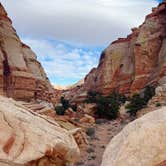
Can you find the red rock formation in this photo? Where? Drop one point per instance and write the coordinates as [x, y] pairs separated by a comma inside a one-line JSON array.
[[21, 75], [129, 64]]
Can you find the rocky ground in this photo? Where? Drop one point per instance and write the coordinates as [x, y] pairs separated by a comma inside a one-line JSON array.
[[98, 138]]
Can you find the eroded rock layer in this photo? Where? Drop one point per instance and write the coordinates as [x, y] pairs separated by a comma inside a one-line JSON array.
[[129, 64], [141, 143], [27, 138], [21, 75]]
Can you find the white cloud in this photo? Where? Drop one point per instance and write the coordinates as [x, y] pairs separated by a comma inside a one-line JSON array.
[[62, 62], [82, 22], [85, 21]]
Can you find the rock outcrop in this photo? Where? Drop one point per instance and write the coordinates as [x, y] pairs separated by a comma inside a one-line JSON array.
[[27, 138], [129, 64], [21, 75], [141, 143]]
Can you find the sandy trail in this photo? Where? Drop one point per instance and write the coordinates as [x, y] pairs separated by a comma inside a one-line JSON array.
[[104, 132]]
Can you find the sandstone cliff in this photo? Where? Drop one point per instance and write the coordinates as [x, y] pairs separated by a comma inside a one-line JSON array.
[[129, 64], [141, 143], [21, 75], [27, 138]]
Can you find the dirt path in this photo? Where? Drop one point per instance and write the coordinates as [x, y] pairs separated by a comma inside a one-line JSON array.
[[104, 132]]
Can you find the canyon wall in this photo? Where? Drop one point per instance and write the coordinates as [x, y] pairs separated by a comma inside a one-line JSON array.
[[21, 75], [129, 64]]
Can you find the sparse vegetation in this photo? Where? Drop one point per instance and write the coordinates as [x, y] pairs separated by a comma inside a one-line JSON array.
[[60, 110], [136, 103], [65, 103], [107, 106], [139, 101], [158, 104], [90, 131], [149, 92]]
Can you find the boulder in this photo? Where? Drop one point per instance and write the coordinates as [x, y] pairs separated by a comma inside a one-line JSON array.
[[141, 143], [27, 138]]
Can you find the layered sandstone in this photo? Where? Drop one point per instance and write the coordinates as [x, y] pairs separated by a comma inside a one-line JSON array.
[[27, 138], [129, 64], [141, 143], [21, 75]]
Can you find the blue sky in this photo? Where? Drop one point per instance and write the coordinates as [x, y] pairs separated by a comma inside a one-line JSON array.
[[69, 35]]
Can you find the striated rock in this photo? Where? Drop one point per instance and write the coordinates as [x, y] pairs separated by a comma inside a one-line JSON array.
[[141, 143], [21, 75], [87, 119], [129, 64], [89, 108], [27, 138], [69, 112]]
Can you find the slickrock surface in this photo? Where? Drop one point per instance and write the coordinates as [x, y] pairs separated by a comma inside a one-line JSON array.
[[27, 138], [66, 122], [141, 143], [21, 75]]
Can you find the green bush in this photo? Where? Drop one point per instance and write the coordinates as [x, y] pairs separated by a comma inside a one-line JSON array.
[[65, 103], [139, 101], [60, 110], [107, 106], [136, 103], [149, 92], [92, 97], [74, 107], [158, 104]]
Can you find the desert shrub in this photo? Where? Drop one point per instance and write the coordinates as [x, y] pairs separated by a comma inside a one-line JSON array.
[[65, 103], [60, 110], [107, 106], [92, 97], [136, 103], [120, 98], [74, 107], [139, 101], [90, 131], [158, 104], [149, 92]]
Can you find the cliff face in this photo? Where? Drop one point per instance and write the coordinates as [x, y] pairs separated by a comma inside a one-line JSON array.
[[129, 64], [21, 75]]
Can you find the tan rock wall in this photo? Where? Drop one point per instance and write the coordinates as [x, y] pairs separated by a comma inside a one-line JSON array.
[[20, 72], [129, 64]]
